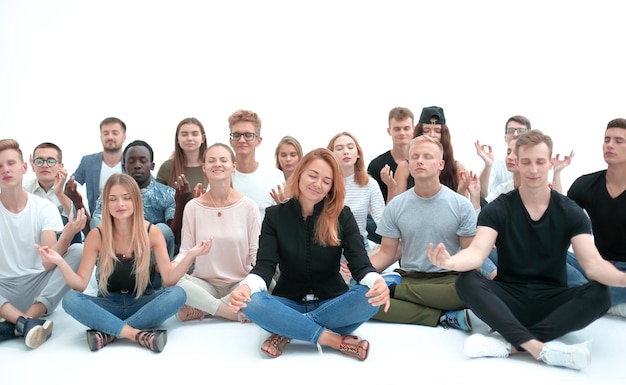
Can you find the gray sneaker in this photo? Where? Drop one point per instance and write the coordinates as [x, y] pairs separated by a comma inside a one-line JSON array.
[[478, 345], [35, 331], [570, 356]]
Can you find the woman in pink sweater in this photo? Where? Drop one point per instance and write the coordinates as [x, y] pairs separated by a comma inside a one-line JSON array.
[[231, 220]]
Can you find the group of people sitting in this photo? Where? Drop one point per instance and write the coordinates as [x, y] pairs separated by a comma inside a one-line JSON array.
[[305, 249]]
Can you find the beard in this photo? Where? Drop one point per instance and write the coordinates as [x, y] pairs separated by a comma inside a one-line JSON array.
[[112, 150]]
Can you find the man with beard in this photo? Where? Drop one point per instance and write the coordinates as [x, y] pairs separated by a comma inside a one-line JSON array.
[[158, 200], [94, 170]]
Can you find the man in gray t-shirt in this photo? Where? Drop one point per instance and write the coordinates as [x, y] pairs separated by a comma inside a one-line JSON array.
[[429, 212]]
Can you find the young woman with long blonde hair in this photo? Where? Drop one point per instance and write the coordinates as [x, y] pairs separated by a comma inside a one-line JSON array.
[[126, 305]]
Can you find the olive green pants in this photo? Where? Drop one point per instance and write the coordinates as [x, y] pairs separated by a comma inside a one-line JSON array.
[[421, 298]]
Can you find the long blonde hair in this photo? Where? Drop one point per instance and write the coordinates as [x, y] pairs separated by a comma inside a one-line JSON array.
[[139, 243], [326, 227]]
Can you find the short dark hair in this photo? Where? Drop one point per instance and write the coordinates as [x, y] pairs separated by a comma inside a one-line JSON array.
[[137, 143], [617, 123], [112, 120], [519, 119], [52, 146]]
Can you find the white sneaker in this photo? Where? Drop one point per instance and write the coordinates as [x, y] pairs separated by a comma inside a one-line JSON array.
[[618, 310], [478, 345], [570, 356]]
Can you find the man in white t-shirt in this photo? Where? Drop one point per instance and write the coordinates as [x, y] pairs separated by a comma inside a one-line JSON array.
[[94, 169], [251, 178], [49, 183], [29, 288], [494, 173]]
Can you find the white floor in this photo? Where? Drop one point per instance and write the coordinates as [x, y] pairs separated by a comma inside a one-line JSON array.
[[215, 351]]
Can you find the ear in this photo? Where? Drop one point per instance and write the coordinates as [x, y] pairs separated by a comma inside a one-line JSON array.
[[442, 165], [258, 141], [152, 166], [389, 131]]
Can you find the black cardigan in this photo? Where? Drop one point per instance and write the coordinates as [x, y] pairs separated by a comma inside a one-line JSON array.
[[305, 266]]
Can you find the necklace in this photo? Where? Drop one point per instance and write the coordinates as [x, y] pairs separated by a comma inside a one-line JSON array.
[[219, 212]]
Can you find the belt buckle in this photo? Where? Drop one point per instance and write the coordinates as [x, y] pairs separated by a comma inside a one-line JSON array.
[[309, 297]]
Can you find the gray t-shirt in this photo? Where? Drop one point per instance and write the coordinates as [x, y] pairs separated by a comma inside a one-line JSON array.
[[417, 221]]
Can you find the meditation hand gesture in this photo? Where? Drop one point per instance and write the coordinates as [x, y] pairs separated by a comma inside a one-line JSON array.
[[281, 194], [48, 255], [560, 164], [485, 152], [76, 224], [440, 256], [71, 191]]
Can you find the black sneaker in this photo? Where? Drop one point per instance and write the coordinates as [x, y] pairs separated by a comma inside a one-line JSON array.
[[7, 330], [35, 331]]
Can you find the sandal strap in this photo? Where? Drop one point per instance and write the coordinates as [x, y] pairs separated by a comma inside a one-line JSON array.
[[355, 348], [145, 339], [276, 340]]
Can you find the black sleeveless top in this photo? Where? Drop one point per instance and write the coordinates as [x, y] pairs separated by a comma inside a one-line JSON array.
[[122, 279]]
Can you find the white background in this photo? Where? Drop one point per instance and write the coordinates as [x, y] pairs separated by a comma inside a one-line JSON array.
[[311, 69]]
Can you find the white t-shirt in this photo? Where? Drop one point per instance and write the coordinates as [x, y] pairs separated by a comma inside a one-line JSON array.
[[105, 173], [19, 233], [257, 186]]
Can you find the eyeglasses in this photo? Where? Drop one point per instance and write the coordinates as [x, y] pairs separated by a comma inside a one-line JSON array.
[[520, 130], [248, 136], [50, 161]]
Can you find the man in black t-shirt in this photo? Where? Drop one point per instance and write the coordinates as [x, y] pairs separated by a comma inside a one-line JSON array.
[[601, 194], [382, 168], [529, 303]]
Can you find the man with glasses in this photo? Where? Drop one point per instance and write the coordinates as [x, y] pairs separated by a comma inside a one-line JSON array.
[[251, 178], [94, 169], [495, 173], [29, 288], [49, 183]]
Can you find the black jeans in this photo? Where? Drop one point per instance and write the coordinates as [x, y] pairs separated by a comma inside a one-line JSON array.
[[522, 312]]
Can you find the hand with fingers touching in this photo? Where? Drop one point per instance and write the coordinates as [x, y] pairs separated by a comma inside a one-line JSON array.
[[439, 256], [280, 194], [59, 180], [198, 190], [485, 152], [560, 164]]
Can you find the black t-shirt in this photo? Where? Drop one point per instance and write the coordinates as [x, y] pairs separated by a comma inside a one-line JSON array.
[[532, 251], [608, 215], [377, 164]]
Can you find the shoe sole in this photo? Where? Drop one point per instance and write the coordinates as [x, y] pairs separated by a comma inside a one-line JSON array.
[[160, 339], [38, 335]]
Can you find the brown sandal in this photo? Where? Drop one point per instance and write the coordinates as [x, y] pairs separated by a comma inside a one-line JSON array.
[[354, 347], [276, 341]]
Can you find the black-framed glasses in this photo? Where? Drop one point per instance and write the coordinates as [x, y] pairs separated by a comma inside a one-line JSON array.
[[248, 136], [50, 161], [520, 130]]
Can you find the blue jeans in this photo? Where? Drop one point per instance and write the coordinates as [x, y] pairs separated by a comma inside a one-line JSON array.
[[306, 320], [110, 313], [171, 245], [618, 294], [575, 276]]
